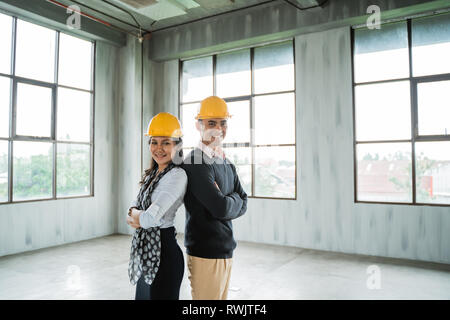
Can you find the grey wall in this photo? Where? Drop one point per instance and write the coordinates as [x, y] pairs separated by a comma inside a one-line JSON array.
[[130, 131], [324, 216], [34, 225], [160, 93]]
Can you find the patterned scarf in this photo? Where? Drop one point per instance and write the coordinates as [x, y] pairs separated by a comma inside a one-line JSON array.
[[146, 245]]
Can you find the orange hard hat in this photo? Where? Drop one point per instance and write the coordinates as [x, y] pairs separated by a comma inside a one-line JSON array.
[[213, 107], [164, 124]]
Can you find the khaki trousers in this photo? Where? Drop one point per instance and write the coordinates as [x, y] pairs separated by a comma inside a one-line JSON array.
[[209, 278]]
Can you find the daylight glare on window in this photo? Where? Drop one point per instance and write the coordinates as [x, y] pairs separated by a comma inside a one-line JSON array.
[[46, 107], [402, 111]]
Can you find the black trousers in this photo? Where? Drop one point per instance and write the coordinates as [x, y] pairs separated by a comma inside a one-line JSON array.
[[167, 282]]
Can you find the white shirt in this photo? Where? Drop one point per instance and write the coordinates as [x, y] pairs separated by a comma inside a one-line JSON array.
[[167, 197]]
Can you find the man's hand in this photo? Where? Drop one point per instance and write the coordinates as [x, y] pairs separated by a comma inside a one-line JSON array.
[[133, 218]]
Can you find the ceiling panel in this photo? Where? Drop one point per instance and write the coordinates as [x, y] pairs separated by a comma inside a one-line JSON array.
[[157, 14], [161, 10], [139, 4]]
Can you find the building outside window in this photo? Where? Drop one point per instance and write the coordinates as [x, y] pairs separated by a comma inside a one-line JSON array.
[[402, 112]]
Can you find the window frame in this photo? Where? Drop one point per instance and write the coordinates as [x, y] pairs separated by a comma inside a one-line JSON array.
[[413, 81], [250, 98], [14, 80]]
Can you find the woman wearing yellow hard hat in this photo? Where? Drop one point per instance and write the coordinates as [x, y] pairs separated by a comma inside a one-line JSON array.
[[156, 264]]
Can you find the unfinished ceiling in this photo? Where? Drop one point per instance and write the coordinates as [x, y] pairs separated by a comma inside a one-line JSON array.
[[156, 14]]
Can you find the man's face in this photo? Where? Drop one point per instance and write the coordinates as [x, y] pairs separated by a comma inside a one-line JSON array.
[[212, 131]]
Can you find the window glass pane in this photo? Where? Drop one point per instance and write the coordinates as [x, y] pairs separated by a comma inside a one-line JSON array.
[[241, 158], [233, 74], [32, 170], [384, 172], [434, 108], [3, 171], [239, 155], [74, 115], [274, 68], [5, 89], [245, 178], [35, 52], [73, 168], [275, 172], [275, 119], [239, 124], [5, 43], [191, 135], [431, 45], [197, 79], [383, 111], [381, 54], [34, 110], [433, 172], [75, 59]]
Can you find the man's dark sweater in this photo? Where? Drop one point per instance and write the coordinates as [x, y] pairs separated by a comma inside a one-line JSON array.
[[209, 211]]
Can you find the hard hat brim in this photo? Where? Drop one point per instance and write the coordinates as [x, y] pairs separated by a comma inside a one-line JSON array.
[[212, 117]]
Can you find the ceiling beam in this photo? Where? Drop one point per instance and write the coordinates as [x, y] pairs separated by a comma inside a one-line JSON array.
[[270, 22], [49, 15]]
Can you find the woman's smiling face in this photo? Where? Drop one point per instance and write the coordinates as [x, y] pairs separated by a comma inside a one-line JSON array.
[[162, 149]]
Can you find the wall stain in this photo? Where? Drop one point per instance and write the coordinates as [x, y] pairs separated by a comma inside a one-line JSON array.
[[316, 165], [404, 240], [337, 113]]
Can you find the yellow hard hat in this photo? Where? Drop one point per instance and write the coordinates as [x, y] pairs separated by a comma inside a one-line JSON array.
[[164, 124], [213, 107]]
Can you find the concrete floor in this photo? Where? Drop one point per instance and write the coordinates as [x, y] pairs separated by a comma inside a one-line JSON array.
[[97, 269]]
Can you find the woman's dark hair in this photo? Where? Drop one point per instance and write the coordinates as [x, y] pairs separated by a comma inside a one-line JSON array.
[[177, 159]]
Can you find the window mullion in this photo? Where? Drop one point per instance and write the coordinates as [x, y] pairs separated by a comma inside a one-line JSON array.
[[413, 101], [214, 58], [252, 120], [13, 47], [13, 115], [92, 124], [54, 170], [54, 114], [55, 89], [12, 92]]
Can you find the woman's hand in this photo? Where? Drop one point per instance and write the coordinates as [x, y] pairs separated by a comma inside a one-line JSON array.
[[133, 217]]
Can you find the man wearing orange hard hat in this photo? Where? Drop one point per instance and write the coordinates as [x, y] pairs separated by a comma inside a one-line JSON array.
[[214, 197]]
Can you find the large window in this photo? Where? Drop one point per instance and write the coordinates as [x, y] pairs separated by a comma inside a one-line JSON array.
[[259, 86], [46, 107], [402, 112]]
